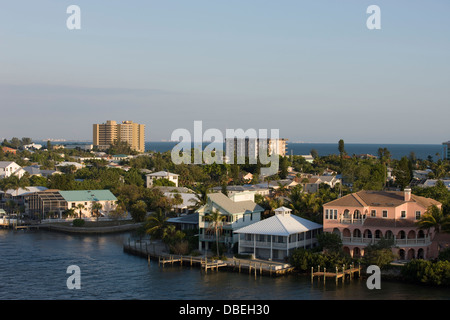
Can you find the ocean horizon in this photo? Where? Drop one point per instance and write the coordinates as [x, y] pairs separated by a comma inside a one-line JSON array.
[[421, 151], [397, 150]]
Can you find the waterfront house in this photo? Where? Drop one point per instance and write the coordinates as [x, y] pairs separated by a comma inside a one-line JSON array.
[[19, 195], [239, 211], [172, 177], [87, 198], [54, 202], [364, 217], [276, 237]]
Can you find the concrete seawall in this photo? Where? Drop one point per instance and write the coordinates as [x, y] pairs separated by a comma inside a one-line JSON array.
[[91, 230]]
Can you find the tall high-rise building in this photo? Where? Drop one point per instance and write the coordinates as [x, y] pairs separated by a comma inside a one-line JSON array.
[[446, 153], [104, 135], [249, 147]]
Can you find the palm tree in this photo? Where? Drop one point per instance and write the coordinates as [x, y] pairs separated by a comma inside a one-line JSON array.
[[201, 196], [435, 218], [96, 207], [80, 206], [156, 223], [216, 221]]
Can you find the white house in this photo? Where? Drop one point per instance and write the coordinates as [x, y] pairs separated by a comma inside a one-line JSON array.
[[9, 168], [239, 212], [277, 236], [161, 175]]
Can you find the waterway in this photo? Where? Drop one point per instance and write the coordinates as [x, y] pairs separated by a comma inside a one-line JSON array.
[[33, 266]]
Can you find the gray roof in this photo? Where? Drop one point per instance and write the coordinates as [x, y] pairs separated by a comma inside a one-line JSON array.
[[233, 207], [280, 225], [4, 164], [191, 218]]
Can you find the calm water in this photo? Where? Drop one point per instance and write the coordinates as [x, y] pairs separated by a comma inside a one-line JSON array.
[[33, 266]]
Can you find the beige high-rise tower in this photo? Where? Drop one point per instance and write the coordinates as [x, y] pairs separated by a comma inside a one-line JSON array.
[[107, 133]]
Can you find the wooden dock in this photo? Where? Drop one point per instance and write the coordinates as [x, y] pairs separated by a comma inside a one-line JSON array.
[[255, 267], [15, 226], [336, 274]]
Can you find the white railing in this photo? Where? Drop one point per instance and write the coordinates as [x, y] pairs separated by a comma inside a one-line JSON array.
[[351, 221], [275, 245], [397, 242]]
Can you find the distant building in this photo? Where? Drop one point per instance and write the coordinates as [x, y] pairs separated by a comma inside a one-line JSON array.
[[9, 150], [10, 168], [151, 177], [106, 134], [249, 147], [446, 153], [432, 182]]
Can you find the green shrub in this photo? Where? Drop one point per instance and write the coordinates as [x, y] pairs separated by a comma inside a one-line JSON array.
[[428, 272], [78, 222]]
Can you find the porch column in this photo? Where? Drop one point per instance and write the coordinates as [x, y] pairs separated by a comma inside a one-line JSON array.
[[271, 238], [287, 246], [254, 245], [304, 240], [239, 243]]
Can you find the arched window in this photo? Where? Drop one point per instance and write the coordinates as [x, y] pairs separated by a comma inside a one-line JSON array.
[[367, 234], [346, 214], [357, 214], [389, 235], [378, 234]]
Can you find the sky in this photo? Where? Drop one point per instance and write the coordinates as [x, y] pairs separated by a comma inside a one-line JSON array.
[[311, 69]]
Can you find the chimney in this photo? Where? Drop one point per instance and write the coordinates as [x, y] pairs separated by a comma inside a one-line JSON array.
[[407, 194]]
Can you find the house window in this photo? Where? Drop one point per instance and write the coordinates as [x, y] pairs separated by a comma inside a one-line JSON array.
[[373, 213], [335, 214], [326, 213], [403, 214], [385, 214], [417, 215], [73, 204]]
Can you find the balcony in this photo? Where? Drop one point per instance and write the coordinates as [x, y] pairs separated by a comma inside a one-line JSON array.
[[359, 221], [397, 242]]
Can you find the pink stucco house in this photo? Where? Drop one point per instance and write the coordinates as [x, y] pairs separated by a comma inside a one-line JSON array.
[[364, 217]]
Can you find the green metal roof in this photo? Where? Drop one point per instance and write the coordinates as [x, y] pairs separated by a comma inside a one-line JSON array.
[[87, 195]]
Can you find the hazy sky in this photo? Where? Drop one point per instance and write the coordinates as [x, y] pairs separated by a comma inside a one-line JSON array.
[[311, 69]]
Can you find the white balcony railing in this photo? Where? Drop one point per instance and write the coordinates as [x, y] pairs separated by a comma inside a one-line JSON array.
[[397, 242], [275, 245]]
